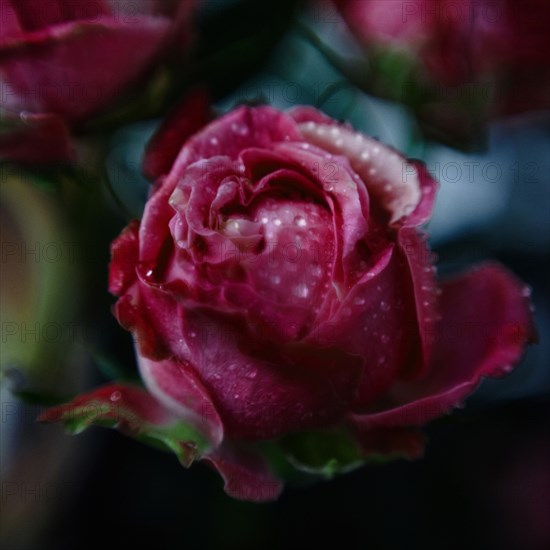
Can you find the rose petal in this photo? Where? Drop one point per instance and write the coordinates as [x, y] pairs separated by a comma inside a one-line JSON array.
[[261, 390], [425, 291], [486, 324], [35, 139], [37, 14], [44, 69], [179, 389], [388, 176], [245, 473], [135, 413], [124, 259], [189, 116], [119, 400]]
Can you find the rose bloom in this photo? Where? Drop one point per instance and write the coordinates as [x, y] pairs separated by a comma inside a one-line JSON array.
[[63, 61], [283, 299], [466, 59]]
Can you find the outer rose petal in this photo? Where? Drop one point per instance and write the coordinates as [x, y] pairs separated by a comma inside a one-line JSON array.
[[263, 392], [140, 406], [175, 385], [124, 259], [230, 135], [36, 139], [189, 117], [425, 291], [387, 175], [34, 66], [486, 324], [137, 413], [245, 472]]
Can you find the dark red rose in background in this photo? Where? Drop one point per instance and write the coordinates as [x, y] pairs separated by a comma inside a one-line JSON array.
[[483, 58], [279, 289], [63, 61]]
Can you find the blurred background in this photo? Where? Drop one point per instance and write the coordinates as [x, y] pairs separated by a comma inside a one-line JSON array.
[[485, 480]]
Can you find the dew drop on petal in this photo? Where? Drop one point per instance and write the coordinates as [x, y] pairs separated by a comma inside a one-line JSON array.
[[300, 221], [316, 271], [115, 396], [301, 291], [384, 306]]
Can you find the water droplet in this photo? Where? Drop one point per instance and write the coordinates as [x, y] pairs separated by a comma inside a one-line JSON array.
[[339, 142], [301, 291], [526, 291], [376, 150], [232, 367], [300, 221], [149, 273], [388, 187], [275, 279], [365, 155], [359, 301], [334, 132], [277, 222], [384, 306], [193, 334], [115, 396], [264, 220], [384, 339], [252, 374], [236, 396], [381, 360], [316, 271], [214, 141]]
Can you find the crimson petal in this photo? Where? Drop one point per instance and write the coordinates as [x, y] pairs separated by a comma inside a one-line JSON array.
[[486, 324], [246, 473]]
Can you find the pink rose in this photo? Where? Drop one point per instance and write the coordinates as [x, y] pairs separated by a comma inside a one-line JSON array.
[[278, 288], [467, 59], [63, 61]]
